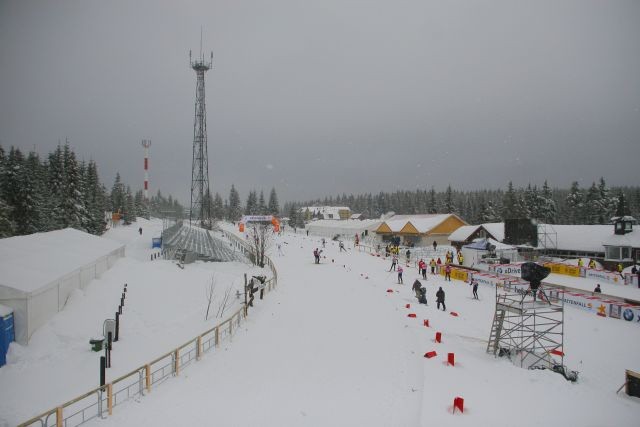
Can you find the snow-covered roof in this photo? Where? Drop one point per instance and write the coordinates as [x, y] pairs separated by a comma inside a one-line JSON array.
[[481, 244], [631, 239], [422, 223], [587, 238], [463, 233], [496, 229], [327, 212], [345, 226], [30, 262], [426, 224]]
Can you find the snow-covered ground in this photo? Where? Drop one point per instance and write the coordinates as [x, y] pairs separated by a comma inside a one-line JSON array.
[[164, 307], [330, 346]]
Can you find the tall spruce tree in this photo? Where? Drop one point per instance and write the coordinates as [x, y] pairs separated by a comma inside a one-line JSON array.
[[235, 208], [273, 206]]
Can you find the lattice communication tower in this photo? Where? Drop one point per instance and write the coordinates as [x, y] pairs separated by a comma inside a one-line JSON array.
[[200, 211]]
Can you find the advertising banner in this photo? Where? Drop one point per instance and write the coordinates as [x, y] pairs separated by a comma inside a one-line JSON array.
[[508, 269], [602, 275]]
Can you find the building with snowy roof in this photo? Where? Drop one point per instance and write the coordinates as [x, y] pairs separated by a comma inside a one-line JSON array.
[[39, 272], [420, 230], [470, 233], [325, 212], [610, 243]]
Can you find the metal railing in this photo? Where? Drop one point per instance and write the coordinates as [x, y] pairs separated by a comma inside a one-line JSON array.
[[100, 401]]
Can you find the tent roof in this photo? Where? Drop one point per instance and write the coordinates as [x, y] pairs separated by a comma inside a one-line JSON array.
[[31, 262]]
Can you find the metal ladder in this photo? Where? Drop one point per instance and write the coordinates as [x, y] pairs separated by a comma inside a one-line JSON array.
[[496, 329]]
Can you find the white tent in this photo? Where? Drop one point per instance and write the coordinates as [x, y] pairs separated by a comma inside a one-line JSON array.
[[345, 229], [39, 272]]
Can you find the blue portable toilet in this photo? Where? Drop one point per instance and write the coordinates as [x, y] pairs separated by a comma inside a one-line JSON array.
[[156, 242], [7, 334]]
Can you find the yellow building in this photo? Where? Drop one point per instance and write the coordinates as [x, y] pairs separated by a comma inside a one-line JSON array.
[[420, 230]]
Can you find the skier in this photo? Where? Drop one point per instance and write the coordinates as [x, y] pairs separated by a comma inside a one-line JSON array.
[[432, 263], [140, 230], [394, 261], [447, 272], [400, 270], [580, 262], [408, 254], [316, 254], [422, 266], [280, 253], [420, 291], [460, 258], [416, 287], [341, 246], [475, 289], [592, 263], [323, 242], [435, 245], [440, 299], [356, 240], [597, 290]]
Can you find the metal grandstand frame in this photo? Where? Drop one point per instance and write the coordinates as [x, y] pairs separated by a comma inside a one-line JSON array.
[[528, 329]]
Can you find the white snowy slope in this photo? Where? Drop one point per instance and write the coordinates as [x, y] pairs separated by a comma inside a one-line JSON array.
[[164, 307], [331, 347]]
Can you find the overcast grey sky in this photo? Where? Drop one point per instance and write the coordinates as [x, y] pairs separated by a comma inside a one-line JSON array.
[[331, 96]]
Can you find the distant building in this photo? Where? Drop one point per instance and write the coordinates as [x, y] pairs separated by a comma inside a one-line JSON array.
[[310, 213], [420, 230], [469, 233]]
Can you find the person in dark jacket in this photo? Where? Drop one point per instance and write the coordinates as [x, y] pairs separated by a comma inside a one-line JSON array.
[[597, 289], [440, 299], [475, 289], [416, 288]]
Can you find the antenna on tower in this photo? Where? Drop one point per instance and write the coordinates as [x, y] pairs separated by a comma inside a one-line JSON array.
[[201, 43]]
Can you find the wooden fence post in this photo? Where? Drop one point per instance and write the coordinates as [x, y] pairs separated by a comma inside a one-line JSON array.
[[177, 359], [110, 398], [198, 347], [217, 335], [59, 420], [147, 373]]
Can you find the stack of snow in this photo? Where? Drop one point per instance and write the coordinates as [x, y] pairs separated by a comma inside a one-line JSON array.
[[40, 271]]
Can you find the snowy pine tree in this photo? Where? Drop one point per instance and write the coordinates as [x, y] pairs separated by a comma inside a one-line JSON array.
[[575, 204], [118, 195], [217, 209], [548, 209], [273, 206], [235, 209], [262, 204], [251, 208]]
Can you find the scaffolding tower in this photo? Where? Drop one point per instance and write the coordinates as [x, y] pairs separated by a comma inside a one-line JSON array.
[[527, 328]]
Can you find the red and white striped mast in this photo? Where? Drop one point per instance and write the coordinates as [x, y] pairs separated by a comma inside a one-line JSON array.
[[146, 143]]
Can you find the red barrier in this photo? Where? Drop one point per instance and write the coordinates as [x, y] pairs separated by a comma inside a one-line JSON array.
[[430, 354], [389, 290], [411, 315], [458, 403], [454, 314], [438, 337], [408, 306], [451, 359], [426, 323]]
